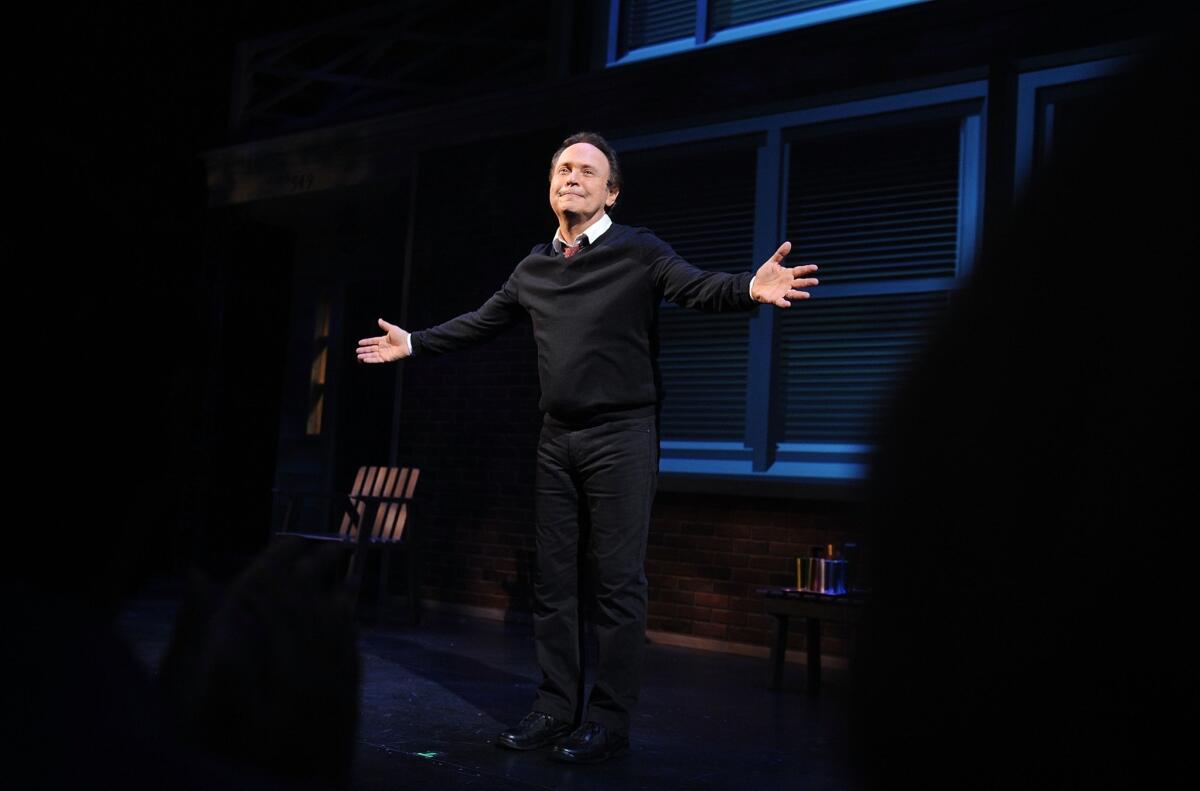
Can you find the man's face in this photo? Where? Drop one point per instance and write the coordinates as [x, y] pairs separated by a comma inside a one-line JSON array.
[[579, 182]]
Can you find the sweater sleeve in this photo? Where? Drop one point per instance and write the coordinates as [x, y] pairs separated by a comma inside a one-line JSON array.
[[690, 287], [501, 311]]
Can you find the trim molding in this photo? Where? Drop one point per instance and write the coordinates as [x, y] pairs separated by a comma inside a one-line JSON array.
[[834, 663]]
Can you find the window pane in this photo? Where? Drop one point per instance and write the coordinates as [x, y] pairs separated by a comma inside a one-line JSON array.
[[1069, 114], [730, 13], [700, 200], [841, 358], [645, 22], [874, 205], [703, 365]]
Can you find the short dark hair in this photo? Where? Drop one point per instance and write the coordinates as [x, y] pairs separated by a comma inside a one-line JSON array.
[[591, 138]]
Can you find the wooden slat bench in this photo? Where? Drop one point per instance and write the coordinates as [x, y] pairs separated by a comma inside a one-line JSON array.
[[375, 515]]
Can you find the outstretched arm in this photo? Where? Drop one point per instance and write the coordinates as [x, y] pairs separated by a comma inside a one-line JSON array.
[[386, 348], [689, 287], [777, 284], [469, 329]]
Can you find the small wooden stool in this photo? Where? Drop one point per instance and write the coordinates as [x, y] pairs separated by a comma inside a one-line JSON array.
[[785, 603]]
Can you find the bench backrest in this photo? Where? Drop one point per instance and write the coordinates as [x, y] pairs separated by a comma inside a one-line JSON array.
[[389, 488]]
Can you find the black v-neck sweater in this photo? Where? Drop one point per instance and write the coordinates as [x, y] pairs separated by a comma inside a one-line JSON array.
[[595, 320]]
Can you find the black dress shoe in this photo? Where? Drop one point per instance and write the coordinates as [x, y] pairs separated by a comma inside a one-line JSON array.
[[534, 731], [591, 743]]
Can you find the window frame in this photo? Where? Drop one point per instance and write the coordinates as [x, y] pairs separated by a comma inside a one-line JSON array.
[[1029, 138], [759, 457], [703, 37]]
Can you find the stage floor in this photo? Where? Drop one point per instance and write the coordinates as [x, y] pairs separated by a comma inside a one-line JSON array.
[[435, 696]]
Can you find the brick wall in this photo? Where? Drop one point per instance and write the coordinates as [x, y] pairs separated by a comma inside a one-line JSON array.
[[708, 555]]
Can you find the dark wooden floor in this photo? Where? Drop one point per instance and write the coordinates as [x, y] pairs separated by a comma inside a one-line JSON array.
[[435, 696]]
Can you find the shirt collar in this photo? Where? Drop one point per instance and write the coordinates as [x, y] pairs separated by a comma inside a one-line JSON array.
[[589, 235]]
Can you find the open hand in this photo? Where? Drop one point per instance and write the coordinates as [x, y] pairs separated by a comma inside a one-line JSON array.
[[384, 348], [778, 284]]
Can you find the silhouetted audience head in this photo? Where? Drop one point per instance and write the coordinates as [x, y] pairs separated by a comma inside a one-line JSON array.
[[1028, 498], [262, 679], [268, 672]]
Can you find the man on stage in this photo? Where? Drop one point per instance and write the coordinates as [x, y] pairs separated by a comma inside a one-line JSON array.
[[593, 294]]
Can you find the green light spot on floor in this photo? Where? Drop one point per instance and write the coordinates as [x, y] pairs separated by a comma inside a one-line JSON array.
[[427, 755]]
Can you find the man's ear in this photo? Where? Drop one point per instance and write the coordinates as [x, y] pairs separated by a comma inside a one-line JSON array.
[[611, 200]]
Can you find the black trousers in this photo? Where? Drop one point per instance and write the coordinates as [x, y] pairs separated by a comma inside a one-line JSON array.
[[594, 490]]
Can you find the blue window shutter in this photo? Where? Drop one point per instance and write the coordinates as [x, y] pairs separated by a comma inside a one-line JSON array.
[[703, 365], [731, 13], [700, 200], [646, 22], [841, 358], [877, 209], [877, 205]]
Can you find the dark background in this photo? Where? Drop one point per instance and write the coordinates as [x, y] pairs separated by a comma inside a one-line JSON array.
[[151, 331]]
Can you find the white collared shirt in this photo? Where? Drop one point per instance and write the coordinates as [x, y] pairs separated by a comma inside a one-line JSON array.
[[589, 235]]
